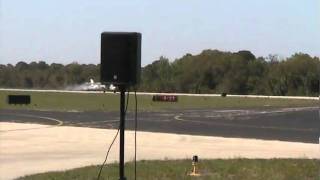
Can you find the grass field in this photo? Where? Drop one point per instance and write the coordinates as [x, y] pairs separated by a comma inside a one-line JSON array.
[[110, 102], [237, 169]]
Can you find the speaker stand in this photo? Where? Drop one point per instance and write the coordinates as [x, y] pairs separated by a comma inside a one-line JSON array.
[[122, 128]]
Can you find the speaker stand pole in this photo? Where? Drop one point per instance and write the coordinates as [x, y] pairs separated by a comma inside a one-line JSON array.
[[122, 128]]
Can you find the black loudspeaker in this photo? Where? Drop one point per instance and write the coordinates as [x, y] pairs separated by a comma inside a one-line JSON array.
[[120, 58]]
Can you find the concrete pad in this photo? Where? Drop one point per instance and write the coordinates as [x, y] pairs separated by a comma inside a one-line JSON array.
[[32, 148]]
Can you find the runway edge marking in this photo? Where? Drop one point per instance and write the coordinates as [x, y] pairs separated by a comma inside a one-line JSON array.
[[60, 123]]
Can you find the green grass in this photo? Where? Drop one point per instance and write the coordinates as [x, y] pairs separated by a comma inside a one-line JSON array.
[[237, 169], [110, 102]]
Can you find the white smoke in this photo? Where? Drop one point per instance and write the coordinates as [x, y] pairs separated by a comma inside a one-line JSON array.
[[77, 87]]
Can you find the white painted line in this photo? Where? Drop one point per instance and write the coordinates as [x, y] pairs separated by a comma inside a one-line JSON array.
[[178, 117], [60, 123]]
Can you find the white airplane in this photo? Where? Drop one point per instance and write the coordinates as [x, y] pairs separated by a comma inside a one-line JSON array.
[[93, 86], [112, 87], [96, 86]]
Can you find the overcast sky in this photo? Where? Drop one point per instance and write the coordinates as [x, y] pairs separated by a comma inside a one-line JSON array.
[[64, 31]]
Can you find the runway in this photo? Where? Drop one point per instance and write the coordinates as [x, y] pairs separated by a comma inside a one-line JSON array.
[[285, 124]]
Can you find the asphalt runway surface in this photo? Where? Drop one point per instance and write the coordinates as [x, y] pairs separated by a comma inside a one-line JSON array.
[[285, 124]]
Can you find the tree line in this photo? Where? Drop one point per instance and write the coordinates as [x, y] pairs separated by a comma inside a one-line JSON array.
[[211, 71]]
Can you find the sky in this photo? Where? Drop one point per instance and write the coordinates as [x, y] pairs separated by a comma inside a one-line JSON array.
[[63, 31]]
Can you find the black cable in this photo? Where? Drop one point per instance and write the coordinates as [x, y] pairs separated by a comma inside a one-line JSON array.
[[115, 137], [128, 95], [135, 134], [107, 154]]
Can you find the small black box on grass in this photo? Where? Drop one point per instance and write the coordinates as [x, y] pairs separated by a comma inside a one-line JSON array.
[[19, 99]]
